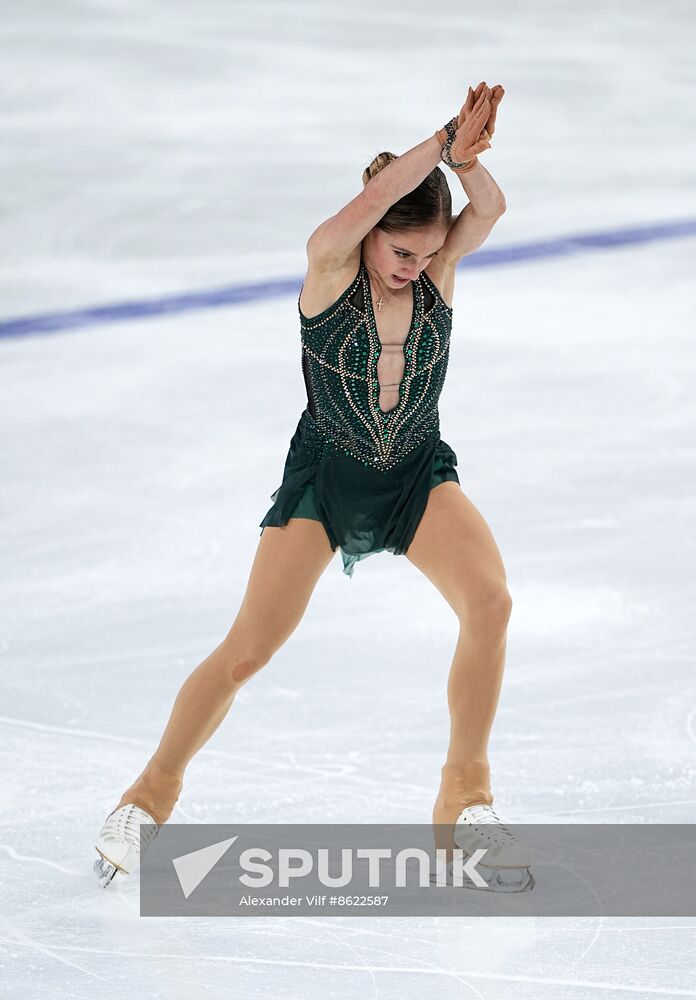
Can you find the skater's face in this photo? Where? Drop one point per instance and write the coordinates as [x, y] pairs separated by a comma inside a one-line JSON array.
[[403, 254]]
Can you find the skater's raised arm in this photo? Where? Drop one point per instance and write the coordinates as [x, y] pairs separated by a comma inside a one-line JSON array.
[[333, 242], [474, 223]]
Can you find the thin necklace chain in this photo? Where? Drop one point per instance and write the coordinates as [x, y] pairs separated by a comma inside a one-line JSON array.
[[380, 302]]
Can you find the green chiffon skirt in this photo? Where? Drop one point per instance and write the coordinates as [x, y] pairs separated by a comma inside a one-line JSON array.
[[363, 510]]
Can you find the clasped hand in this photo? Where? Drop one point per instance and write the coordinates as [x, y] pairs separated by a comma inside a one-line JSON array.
[[475, 122]]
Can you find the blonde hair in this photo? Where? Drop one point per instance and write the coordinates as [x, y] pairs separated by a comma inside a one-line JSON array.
[[379, 163]]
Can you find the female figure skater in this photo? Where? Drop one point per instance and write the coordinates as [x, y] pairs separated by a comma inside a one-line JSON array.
[[367, 472]]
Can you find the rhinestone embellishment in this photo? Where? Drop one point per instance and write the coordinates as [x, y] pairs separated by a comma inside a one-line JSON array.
[[340, 352]]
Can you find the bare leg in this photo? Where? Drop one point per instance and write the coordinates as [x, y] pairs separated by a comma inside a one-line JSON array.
[[455, 549], [286, 568]]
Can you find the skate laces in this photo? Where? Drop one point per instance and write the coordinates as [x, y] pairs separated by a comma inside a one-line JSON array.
[[486, 814], [127, 826]]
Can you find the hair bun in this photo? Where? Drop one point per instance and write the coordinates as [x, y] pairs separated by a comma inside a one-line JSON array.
[[379, 163]]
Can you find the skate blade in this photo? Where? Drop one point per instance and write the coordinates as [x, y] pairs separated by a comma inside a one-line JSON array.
[[496, 879], [105, 870], [509, 879]]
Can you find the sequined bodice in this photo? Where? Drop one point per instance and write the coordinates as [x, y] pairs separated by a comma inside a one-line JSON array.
[[340, 352]]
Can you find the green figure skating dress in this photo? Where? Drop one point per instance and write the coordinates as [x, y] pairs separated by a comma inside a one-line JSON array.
[[364, 473]]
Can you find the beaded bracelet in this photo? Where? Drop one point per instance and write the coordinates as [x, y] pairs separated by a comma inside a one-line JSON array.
[[463, 170], [450, 130]]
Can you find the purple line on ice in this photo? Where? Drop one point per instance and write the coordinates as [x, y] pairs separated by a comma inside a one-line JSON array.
[[237, 294]]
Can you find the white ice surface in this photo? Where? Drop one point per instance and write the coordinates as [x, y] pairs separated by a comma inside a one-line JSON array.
[[164, 147]]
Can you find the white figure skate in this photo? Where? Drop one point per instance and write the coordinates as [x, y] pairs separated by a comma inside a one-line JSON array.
[[121, 843], [505, 865]]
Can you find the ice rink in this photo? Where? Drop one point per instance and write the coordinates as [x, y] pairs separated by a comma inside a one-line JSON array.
[[162, 166]]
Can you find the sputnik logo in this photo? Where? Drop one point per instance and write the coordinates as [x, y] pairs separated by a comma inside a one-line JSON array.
[[192, 868]]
